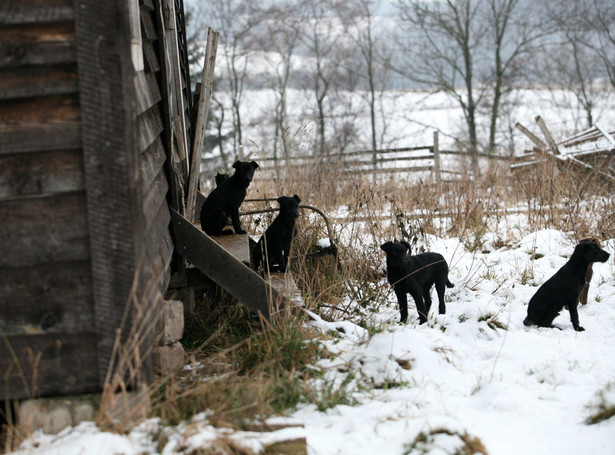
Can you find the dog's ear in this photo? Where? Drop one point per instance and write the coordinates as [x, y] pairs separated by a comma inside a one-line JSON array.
[[236, 164], [407, 245], [254, 164], [296, 198]]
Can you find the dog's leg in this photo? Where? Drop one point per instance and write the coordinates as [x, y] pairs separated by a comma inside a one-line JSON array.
[[427, 298], [574, 316], [236, 222], [402, 301], [420, 305], [440, 288]]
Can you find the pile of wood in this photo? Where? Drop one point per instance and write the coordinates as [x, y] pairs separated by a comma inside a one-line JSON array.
[[592, 150]]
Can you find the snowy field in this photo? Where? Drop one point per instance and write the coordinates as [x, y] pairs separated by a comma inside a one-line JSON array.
[[476, 371]]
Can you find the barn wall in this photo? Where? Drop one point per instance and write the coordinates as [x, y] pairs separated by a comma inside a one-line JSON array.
[[82, 190], [46, 302]]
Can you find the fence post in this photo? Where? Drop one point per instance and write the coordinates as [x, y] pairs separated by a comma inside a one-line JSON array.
[[436, 156]]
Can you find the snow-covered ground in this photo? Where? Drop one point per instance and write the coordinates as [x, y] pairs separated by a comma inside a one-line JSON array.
[[476, 370]]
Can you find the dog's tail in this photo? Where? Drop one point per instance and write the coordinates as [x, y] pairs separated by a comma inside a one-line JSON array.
[[449, 284]]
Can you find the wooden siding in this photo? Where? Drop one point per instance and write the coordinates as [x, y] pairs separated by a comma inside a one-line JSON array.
[[46, 303], [83, 189]]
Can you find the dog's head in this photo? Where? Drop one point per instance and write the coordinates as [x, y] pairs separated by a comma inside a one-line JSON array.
[[289, 206], [589, 251], [244, 171], [395, 250]]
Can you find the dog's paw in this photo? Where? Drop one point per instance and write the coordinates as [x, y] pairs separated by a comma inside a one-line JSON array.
[[579, 329], [240, 231]]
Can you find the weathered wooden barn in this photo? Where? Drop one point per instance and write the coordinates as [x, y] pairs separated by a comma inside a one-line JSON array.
[[95, 191], [89, 92]]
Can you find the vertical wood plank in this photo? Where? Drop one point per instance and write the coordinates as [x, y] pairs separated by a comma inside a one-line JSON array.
[[110, 161], [207, 85]]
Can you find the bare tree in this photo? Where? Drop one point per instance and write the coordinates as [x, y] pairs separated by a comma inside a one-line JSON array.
[[284, 28], [584, 50], [236, 20], [515, 27], [375, 55], [443, 44], [321, 38]]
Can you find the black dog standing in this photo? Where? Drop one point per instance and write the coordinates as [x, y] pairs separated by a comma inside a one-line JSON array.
[[274, 245], [416, 275], [564, 288], [224, 201]]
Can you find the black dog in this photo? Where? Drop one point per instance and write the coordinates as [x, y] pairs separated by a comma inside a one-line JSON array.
[[416, 275], [274, 245], [224, 201], [564, 288]]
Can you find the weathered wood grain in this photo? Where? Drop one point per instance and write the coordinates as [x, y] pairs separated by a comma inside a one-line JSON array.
[[38, 82], [214, 261], [35, 11], [37, 45], [46, 298], [149, 127], [40, 137], [49, 364], [46, 229], [151, 161], [39, 173], [47, 110]]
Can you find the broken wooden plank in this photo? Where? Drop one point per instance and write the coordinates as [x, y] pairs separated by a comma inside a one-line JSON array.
[[531, 136], [218, 264], [547, 134], [285, 284], [201, 121]]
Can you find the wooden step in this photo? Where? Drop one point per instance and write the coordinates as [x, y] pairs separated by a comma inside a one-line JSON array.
[[237, 245], [285, 284], [224, 269]]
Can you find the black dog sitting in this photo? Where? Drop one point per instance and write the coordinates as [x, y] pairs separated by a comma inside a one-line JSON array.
[[416, 275], [274, 245], [564, 288], [224, 201]]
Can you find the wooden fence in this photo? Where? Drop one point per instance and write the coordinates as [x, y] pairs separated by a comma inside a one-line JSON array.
[[426, 159]]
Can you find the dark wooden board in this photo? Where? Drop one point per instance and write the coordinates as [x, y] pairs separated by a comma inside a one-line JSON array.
[[49, 364], [148, 92], [40, 137], [154, 197], [46, 298], [38, 173], [38, 82], [45, 229], [149, 127], [215, 262], [35, 11], [150, 57], [148, 28], [47, 110], [151, 161]]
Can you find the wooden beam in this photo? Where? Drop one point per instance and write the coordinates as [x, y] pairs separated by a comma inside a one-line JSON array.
[[547, 134], [201, 122], [535, 139], [239, 280]]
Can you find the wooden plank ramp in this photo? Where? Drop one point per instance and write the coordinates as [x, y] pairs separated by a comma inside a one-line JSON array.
[[224, 260]]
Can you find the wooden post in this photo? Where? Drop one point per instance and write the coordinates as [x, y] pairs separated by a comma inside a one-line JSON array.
[[201, 120], [547, 134], [535, 139], [436, 156]]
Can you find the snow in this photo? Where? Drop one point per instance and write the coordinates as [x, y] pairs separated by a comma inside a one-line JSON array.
[[476, 370]]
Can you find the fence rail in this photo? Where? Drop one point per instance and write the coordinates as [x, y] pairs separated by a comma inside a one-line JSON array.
[[426, 158]]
